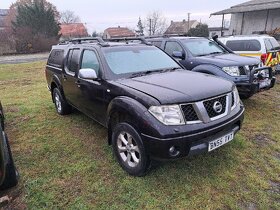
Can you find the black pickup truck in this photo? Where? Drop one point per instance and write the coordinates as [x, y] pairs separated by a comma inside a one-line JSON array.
[[212, 57], [152, 107], [8, 172]]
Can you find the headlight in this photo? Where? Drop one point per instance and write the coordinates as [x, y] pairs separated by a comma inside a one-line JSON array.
[[168, 115], [232, 71], [236, 98]]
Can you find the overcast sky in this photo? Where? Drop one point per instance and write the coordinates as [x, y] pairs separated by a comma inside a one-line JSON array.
[[98, 15]]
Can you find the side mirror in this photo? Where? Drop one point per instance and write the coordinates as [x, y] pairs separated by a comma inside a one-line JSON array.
[[178, 54], [89, 74]]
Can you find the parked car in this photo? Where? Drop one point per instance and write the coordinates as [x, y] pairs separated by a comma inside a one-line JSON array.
[[212, 57], [8, 172], [153, 108], [260, 46]]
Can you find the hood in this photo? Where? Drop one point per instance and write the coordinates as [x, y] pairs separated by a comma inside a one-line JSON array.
[[181, 86], [225, 60]]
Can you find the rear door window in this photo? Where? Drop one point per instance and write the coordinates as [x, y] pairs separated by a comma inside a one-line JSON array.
[[244, 45], [73, 61]]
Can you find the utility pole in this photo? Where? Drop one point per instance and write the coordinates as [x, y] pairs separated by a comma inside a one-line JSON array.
[[189, 20], [150, 26], [223, 23]]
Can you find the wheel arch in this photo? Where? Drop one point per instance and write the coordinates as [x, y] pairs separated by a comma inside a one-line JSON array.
[[209, 69], [124, 109], [56, 83]]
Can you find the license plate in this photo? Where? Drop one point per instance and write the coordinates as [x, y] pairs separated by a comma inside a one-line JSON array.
[[265, 83], [220, 142]]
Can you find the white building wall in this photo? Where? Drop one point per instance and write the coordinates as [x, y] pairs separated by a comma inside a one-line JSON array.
[[254, 22], [235, 24], [274, 20], [218, 32]]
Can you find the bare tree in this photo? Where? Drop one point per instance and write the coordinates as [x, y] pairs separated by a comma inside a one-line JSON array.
[[69, 17], [155, 23]]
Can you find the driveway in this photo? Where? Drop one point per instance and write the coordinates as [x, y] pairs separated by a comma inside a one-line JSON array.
[[15, 59]]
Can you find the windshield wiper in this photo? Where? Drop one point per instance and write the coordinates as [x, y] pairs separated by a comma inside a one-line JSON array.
[[169, 69], [140, 74], [144, 73], [212, 53]]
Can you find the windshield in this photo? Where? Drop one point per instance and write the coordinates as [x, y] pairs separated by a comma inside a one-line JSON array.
[[274, 43], [201, 47], [129, 60]]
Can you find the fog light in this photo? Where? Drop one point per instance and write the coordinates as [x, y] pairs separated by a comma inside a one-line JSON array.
[[173, 151]]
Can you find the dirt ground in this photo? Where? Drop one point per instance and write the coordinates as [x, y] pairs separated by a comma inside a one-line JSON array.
[[16, 59]]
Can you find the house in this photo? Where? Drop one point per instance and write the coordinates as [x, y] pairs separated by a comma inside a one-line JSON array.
[[3, 15], [72, 30], [252, 17], [213, 31], [181, 28], [118, 32]]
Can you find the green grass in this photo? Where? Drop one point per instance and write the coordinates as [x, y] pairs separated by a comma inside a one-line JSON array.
[[65, 162]]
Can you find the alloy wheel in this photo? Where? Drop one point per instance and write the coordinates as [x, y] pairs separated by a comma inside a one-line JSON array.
[[128, 150], [57, 102]]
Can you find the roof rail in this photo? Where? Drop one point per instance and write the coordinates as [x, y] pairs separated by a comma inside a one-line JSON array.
[[85, 39], [99, 40], [165, 36], [154, 36], [127, 39]]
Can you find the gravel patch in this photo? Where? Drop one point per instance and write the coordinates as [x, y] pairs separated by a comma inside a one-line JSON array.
[[26, 58]]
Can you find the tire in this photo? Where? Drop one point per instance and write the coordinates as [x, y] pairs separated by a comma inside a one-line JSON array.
[[246, 96], [62, 107], [129, 150], [11, 174]]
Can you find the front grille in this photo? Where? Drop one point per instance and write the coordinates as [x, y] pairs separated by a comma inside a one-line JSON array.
[[232, 100], [209, 106], [189, 113], [253, 67], [242, 70], [209, 110]]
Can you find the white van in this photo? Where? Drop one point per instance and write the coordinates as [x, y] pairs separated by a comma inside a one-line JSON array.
[[260, 46]]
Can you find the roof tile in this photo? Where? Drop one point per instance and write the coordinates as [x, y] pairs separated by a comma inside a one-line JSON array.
[[117, 32], [73, 30]]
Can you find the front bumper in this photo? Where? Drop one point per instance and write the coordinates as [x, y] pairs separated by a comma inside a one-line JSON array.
[[253, 85], [193, 143]]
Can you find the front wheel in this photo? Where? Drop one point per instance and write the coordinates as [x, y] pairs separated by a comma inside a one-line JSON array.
[[129, 150], [246, 96]]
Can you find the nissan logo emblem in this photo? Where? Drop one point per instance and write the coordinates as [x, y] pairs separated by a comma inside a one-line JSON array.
[[218, 107]]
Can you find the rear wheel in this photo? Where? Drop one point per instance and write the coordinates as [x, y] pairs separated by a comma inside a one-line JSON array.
[[129, 150], [62, 107]]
